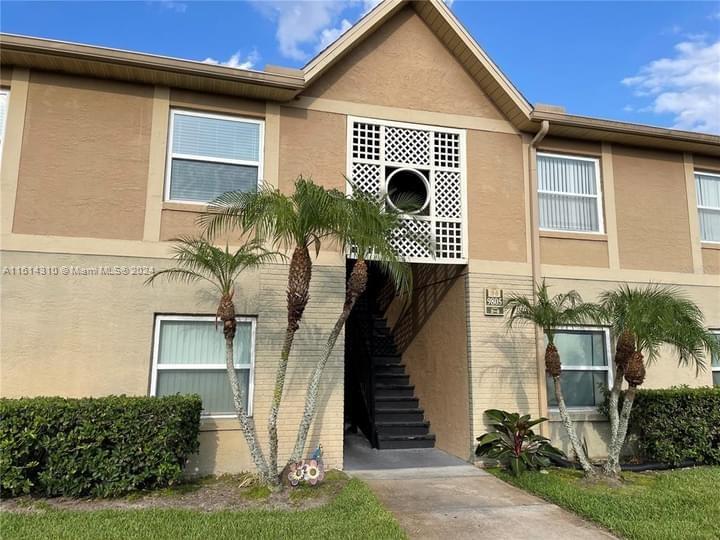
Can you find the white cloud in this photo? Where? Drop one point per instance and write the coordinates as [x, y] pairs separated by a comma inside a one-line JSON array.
[[304, 26], [180, 7], [237, 60], [686, 86]]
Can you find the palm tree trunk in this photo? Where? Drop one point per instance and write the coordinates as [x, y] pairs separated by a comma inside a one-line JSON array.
[[570, 430], [247, 424], [612, 467], [613, 412], [299, 276], [355, 287]]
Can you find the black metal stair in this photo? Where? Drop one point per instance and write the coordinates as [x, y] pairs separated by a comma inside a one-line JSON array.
[[399, 420]]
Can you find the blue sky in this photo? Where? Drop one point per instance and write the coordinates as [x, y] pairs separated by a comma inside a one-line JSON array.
[[649, 62]]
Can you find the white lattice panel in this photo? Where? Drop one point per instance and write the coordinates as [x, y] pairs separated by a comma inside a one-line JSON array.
[[407, 146], [376, 148]]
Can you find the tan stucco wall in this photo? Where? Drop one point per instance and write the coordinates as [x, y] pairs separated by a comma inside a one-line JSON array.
[[496, 197], [574, 251], [570, 146], [404, 65], [312, 144], [92, 336], [436, 361], [711, 260], [84, 162], [707, 163], [5, 76], [652, 212], [185, 99]]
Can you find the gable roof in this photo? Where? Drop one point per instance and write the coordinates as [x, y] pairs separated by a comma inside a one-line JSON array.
[[282, 84]]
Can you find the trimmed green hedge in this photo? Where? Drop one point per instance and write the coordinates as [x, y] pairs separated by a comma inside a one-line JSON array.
[[677, 424], [101, 447]]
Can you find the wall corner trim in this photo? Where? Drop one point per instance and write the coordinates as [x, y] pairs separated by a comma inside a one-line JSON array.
[[608, 181], [693, 218], [271, 163], [156, 163]]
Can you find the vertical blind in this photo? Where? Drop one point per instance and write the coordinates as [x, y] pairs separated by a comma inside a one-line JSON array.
[[568, 194], [3, 113], [212, 155], [708, 199], [200, 346], [581, 349]]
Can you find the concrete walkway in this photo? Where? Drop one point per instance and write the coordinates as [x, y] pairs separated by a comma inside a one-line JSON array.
[[462, 501]]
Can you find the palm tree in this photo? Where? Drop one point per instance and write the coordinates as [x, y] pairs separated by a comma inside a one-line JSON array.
[[645, 319], [298, 222], [199, 260], [368, 232], [550, 314]]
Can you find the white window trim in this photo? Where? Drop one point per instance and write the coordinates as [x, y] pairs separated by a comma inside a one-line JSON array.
[[714, 369], [598, 195], [212, 367], [709, 208], [608, 368], [4, 92], [462, 169], [171, 155]]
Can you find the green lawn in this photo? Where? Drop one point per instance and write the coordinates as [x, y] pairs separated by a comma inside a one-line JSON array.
[[355, 513], [653, 505]]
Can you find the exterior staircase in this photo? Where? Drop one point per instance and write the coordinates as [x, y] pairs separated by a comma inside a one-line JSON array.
[[399, 420]]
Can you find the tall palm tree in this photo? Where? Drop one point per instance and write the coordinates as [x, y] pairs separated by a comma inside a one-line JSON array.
[[550, 314], [199, 260], [367, 231], [299, 221], [645, 319]]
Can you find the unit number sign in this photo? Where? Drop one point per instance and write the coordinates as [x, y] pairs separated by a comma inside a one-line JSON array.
[[494, 304]]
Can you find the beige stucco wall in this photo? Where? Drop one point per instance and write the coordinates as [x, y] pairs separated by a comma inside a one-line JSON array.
[[711, 260], [92, 336], [652, 212], [579, 251], [436, 358], [403, 64], [84, 162]]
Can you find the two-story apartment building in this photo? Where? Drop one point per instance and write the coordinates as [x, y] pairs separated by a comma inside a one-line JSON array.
[[108, 154]]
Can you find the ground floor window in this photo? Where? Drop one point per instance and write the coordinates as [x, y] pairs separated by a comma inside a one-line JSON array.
[[189, 358], [585, 367], [715, 363]]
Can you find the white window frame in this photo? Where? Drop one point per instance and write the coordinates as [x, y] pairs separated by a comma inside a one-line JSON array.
[[194, 157], [431, 217], [700, 207], [159, 319], [607, 368], [598, 195], [714, 369], [4, 92]]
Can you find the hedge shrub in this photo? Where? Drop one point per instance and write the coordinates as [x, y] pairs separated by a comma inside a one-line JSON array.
[[678, 424], [100, 447]]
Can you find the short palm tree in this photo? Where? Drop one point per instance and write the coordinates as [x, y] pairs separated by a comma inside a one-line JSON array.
[[296, 222], [199, 260], [368, 232], [644, 319], [550, 314]]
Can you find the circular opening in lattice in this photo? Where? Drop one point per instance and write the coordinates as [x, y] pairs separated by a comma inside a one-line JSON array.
[[408, 191]]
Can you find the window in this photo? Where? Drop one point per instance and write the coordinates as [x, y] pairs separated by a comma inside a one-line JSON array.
[[4, 95], [708, 200], [189, 358], [585, 371], [210, 155], [715, 363], [569, 193]]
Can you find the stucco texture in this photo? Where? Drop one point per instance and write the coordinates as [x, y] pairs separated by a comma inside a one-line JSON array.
[[92, 336], [574, 251], [403, 64], [84, 161]]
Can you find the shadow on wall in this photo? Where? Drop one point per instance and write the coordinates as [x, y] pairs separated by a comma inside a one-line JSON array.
[[406, 316]]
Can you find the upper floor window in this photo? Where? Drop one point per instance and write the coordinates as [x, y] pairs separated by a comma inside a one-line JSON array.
[[708, 200], [585, 368], [4, 94], [569, 193], [211, 154], [189, 358]]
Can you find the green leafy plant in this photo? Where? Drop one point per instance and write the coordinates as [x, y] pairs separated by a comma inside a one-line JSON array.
[[514, 444]]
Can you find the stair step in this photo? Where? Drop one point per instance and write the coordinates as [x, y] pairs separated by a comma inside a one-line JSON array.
[[386, 359], [399, 415], [394, 390], [392, 378], [414, 428], [396, 403], [386, 369], [406, 441]]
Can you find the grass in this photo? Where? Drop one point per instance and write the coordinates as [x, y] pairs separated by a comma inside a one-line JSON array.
[[354, 513], [670, 504]]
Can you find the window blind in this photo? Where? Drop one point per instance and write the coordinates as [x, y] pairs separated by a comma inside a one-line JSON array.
[[708, 200]]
